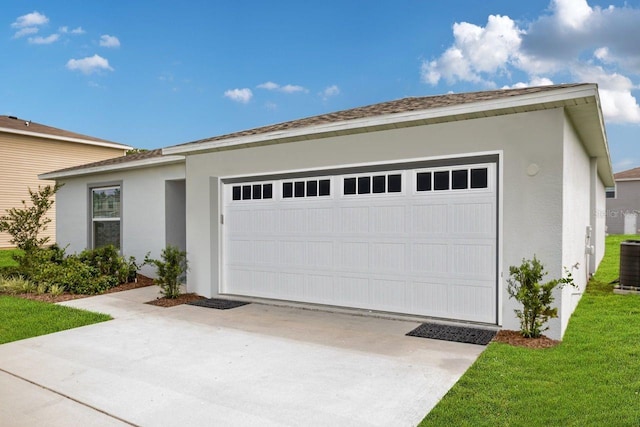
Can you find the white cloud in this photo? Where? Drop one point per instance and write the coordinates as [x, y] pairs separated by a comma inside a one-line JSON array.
[[30, 20], [618, 103], [242, 96], [476, 50], [330, 91], [28, 24], [285, 89], [572, 13], [44, 40], [535, 81], [570, 41], [293, 89], [109, 41], [65, 30], [25, 31], [89, 65], [268, 86]]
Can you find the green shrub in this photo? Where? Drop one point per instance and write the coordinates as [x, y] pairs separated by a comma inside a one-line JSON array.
[[25, 224], [536, 298], [30, 262], [75, 276], [90, 272], [170, 270], [108, 262]]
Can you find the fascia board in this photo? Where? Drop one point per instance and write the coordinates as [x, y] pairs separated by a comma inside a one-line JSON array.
[[627, 179], [136, 164]]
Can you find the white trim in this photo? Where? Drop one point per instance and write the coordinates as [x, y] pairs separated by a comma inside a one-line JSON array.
[[134, 164], [94, 219], [627, 179], [559, 96], [499, 247], [67, 139]]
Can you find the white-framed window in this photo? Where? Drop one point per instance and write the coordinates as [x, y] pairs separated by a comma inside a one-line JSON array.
[[610, 192], [105, 216]]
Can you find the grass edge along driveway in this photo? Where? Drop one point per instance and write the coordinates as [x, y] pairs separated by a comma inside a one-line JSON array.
[[21, 318], [591, 378]]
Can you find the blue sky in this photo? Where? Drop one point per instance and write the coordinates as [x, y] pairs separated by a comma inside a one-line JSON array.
[[158, 73]]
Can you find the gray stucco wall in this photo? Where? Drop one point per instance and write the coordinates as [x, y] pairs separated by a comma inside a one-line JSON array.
[[532, 206], [627, 200], [143, 210], [577, 216]]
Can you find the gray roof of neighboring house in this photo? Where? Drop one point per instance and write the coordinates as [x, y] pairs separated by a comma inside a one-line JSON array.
[[630, 174], [22, 126]]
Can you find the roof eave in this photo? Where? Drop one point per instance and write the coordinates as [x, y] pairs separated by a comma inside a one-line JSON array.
[[136, 164], [67, 139], [593, 134]]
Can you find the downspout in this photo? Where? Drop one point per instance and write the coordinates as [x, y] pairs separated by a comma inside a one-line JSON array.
[[592, 234]]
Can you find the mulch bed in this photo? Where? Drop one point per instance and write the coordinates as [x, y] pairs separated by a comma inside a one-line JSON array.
[[142, 282], [514, 338], [172, 302]]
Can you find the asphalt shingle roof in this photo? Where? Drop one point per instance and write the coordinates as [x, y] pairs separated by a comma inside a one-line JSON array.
[[628, 174], [15, 123], [143, 155], [391, 107]]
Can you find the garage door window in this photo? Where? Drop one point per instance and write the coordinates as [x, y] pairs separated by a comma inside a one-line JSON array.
[[252, 191], [105, 216], [307, 188], [454, 179], [373, 184], [479, 178]]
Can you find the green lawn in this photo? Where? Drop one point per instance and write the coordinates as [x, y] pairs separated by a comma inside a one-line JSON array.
[[6, 259], [591, 378], [21, 318]]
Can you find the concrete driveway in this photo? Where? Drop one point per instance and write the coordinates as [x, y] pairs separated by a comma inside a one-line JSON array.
[[253, 365]]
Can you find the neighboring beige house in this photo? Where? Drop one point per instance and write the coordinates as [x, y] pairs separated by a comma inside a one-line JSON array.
[[28, 149], [623, 203]]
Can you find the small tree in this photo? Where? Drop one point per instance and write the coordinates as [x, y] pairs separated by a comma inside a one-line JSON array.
[[170, 270], [536, 298], [25, 224]]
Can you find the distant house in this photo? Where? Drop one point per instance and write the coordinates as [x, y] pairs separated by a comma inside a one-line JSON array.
[[416, 206], [28, 149], [623, 203]]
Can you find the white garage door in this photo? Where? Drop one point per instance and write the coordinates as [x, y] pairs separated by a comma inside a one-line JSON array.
[[419, 241]]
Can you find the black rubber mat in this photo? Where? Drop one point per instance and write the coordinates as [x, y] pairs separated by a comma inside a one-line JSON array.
[[220, 304], [453, 333]]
